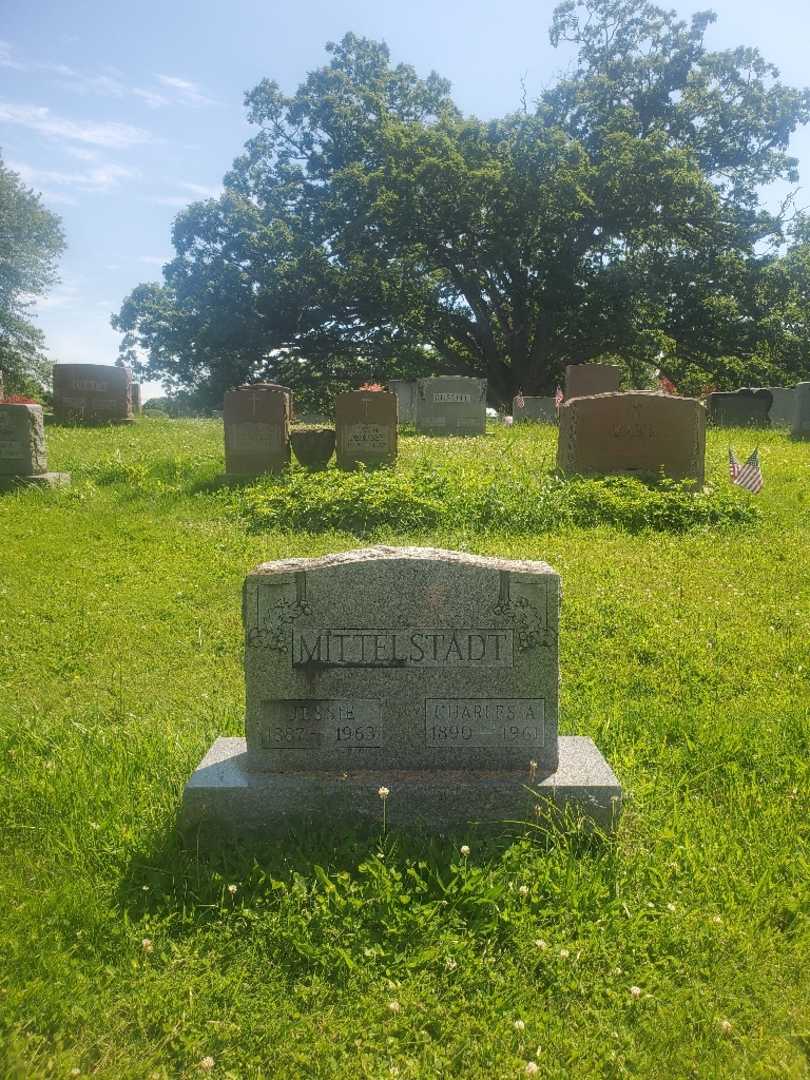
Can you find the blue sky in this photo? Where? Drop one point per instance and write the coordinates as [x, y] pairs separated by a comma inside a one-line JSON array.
[[122, 114]]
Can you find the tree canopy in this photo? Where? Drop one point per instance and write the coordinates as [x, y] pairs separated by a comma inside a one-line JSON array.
[[31, 241], [369, 229]]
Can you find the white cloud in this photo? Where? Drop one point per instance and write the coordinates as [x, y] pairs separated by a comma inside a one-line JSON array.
[[195, 191], [8, 60], [187, 92], [110, 134], [151, 97], [154, 260], [100, 177], [59, 297]]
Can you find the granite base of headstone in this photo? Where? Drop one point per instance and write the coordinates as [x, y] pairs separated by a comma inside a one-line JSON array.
[[451, 405], [432, 674], [23, 453], [405, 389], [92, 394], [584, 380], [538, 410], [641, 433], [257, 430], [800, 424], [365, 428], [746, 407]]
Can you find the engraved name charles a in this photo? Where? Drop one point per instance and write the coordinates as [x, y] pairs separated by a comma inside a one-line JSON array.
[[406, 648]]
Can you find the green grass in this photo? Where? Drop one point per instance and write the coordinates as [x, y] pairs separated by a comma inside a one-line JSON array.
[[685, 653]]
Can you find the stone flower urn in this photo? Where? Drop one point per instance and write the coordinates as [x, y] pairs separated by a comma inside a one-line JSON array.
[[313, 446]]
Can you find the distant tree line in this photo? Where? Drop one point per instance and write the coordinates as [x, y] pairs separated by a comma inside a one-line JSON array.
[[370, 230]]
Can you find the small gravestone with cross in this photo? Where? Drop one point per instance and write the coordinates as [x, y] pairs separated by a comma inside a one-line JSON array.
[[365, 428], [257, 429]]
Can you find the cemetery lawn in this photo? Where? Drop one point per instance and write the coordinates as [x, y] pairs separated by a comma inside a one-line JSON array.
[[678, 948]]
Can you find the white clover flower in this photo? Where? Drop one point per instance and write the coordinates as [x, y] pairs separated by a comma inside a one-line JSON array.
[[564, 954], [520, 1025], [542, 945], [394, 1006], [147, 945], [635, 991], [716, 919], [232, 890], [726, 1026], [383, 792], [532, 1068], [450, 964], [207, 1064], [670, 906], [524, 890], [465, 850]]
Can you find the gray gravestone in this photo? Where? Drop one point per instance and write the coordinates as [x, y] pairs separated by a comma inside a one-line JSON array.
[[451, 405], [782, 405], [365, 428], [23, 454], [800, 425], [746, 407], [431, 673], [137, 408], [92, 393], [405, 389], [539, 409], [583, 380]]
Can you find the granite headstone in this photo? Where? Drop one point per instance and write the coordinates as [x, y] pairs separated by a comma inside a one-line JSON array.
[[640, 432], [405, 389], [538, 409], [583, 380], [800, 425], [746, 407], [257, 429], [23, 454], [431, 673], [782, 405], [92, 393], [137, 408], [365, 428], [451, 405]]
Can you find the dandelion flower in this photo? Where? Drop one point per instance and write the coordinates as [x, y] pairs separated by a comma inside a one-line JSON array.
[[394, 1006], [383, 792], [520, 1025], [207, 1064], [532, 1068], [635, 991], [465, 850], [524, 890], [147, 945], [232, 890]]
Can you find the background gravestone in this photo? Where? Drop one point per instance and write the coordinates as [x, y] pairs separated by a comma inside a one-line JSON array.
[[641, 432], [92, 393], [257, 429], [740, 408], [405, 389], [783, 404], [800, 426], [365, 428], [135, 392], [539, 409], [583, 380], [451, 405], [432, 673], [23, 454]]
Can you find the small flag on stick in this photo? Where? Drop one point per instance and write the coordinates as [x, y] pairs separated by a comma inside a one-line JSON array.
[[559, 398], [749, 475]]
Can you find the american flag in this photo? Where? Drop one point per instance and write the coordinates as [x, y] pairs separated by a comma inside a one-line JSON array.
[[749, 475], [559, 398], [520, 401]]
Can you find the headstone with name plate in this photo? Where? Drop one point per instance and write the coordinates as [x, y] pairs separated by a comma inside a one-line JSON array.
[[92, 393], [642, 432], [23, 453], [257, 429], [433, 674], [365, 428], [451, 405]]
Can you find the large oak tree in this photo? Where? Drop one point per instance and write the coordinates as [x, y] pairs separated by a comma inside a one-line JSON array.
[[370, 229]]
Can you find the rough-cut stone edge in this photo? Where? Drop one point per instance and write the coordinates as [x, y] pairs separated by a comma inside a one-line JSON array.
[[400, 554], [224, 800], [48, 479]]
